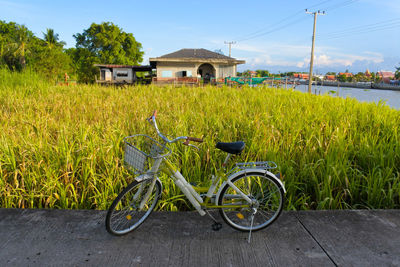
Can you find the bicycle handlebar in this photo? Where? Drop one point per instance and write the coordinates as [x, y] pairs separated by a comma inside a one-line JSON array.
[[194, 139], [152, 118]]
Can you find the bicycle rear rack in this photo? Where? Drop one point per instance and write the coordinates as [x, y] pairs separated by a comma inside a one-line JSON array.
[[267, 165]]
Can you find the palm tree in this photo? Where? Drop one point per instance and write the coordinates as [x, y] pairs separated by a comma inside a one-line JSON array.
[[21, 41], [52, 38]]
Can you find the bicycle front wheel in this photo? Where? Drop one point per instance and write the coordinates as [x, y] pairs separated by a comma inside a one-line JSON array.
[[267, 197], [132, 206]]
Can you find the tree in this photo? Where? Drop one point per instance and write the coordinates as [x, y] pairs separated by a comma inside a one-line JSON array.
[[110, 44], [103, 43], [82, 63], [52, 38], [397, 73], [14, 44], [21, 38], [262, 73], [342, 78]]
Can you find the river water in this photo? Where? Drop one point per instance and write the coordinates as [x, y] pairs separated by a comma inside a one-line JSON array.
[[391, 98]]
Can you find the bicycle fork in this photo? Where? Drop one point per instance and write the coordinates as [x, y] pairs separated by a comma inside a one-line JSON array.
[[153, 170]]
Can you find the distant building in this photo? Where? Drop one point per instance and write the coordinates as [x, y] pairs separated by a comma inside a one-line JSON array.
[[122, 74], [368, 73], [330, 77], [301, 76], [386, 75], [347, 74], [253, 73], [193, 64]]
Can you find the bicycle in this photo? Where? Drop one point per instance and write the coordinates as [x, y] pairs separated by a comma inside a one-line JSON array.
[[250, 197]]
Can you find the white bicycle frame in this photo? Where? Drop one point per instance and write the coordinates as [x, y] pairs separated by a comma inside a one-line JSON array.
[[186, 188]]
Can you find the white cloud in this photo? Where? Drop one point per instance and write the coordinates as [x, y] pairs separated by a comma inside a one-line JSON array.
[[298, 56]]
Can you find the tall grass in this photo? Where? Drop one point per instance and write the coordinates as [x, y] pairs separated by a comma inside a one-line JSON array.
[[61, 147]]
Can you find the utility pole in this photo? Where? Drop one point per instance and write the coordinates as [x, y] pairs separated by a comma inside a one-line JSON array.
[[312, 47], [230, 44]]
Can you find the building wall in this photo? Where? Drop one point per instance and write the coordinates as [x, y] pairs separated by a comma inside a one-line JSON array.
[[122, 74], [174, 69], [226, 71]]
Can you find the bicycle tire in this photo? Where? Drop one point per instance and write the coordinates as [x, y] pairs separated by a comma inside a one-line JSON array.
[[240, 218], [122, 218]]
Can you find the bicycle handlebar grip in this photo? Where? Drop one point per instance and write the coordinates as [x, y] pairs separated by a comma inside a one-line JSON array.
[[194, 139], [199, 140]]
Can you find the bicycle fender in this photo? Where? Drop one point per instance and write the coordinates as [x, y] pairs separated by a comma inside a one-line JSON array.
[[143, 177], [251, 171]]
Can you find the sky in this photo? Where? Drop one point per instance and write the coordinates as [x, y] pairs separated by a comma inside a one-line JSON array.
[[353, 35]]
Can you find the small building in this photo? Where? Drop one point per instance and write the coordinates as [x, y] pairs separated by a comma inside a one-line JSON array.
[[386, 76], [347, 74], [301, 76], [329, 77], [193, 64], [123, 74], [253, 73]]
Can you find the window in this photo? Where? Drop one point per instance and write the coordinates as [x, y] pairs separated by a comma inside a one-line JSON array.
[[166, 73], [122, 74]]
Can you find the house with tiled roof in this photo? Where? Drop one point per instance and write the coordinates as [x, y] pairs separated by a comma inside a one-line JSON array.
[[194, 63], [386, 76], [301, 76], [329, 77], [347, 74]]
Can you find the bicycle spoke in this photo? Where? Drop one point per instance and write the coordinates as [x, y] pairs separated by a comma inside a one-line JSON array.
[[266, 199], [124, 216]]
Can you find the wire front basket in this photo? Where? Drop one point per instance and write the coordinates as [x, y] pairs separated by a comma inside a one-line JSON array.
[[141, 151]]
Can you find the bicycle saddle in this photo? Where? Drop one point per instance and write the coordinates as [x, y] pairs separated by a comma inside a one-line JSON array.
[[232, 148]]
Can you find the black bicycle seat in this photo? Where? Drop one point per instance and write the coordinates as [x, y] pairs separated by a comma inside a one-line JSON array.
[[232, 148]]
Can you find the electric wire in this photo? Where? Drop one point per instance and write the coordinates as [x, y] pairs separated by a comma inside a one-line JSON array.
[[263, 32], [379, 26], [266, 30], [340, 5], [274, 29]]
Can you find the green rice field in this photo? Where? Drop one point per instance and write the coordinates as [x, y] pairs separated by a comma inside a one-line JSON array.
[[62, 146]]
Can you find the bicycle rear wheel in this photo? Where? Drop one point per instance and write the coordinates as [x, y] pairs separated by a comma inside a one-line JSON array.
[[125, 213], [266, 194]]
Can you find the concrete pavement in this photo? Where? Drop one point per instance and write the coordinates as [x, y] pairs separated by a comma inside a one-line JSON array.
[[304, 238]]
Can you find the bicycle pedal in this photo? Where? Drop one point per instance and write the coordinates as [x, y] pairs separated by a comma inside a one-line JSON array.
[[216, 226]]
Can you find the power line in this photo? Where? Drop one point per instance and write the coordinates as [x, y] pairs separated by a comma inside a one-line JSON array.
[[379, 26], [339, 5], [361, 27], [264, 30], [273, 30]]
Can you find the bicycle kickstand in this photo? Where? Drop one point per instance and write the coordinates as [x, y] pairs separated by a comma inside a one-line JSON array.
[[251, 226], [216, 226]]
